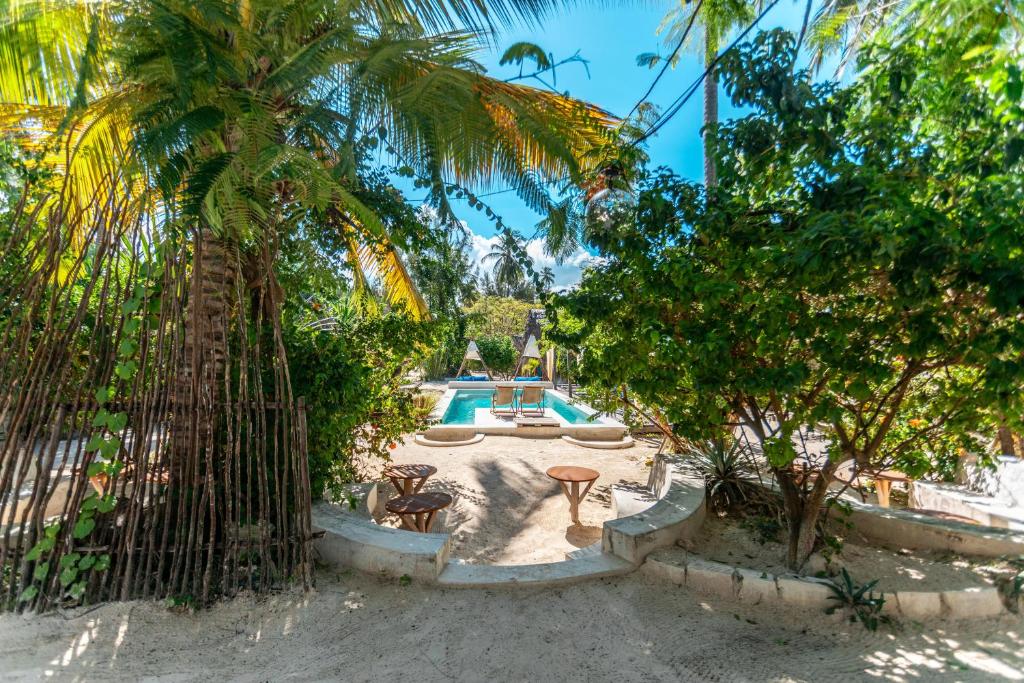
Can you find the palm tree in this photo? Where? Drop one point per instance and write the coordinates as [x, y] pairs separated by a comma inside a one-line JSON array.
[[232, 108], [714, 20], [243, 119], [506, 256], [844, 26], [547, 277], [234, 122]]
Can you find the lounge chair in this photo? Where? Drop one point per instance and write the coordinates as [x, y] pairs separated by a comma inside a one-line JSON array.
[[503, 401], [531, 403]]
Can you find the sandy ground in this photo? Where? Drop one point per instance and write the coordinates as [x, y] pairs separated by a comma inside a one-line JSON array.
[[359, 628], [730, 541], [506, 510]]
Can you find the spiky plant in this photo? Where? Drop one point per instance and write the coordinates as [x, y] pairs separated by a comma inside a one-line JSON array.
[[728, 472]]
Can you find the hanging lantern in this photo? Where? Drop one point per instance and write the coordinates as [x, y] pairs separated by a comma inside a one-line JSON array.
[[613, 205]]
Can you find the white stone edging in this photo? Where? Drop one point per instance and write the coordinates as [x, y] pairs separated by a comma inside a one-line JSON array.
[[626, 442], [422, 440], [895, 528], [752, 587], [677, 514]]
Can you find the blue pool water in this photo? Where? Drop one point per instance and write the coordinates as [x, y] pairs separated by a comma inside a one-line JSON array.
[[462, 409]]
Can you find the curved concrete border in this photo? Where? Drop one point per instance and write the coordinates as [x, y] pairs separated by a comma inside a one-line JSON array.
[[463, 575], [677, 514], [626, 442], [424, 441], [895, 528], [351, 538], [959, 500], [753, 587]]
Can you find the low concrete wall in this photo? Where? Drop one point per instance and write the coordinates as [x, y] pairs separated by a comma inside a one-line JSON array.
[[422, 440], [678, 514], [456, 384], [352, 539], [959, 500], [590, 566], [754, 588], [894, 528]]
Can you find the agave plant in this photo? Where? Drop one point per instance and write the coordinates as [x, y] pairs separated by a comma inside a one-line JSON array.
[[727, 470], [859, 600]]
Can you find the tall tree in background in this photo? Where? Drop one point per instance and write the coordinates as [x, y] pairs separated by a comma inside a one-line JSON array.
[[508, 271], [714, 20], [844, 26]]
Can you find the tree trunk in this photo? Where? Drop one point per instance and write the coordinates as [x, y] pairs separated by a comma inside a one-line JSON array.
[[710, 114], [1005, 434], [200, 381], [802, 513]]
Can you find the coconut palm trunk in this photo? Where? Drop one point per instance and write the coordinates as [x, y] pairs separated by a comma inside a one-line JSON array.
[[200, 381], [710, 112]]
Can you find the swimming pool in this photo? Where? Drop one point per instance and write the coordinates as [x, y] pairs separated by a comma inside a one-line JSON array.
[[465, 402]]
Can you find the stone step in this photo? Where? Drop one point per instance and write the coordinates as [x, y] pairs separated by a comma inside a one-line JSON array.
[[464, 575], [591, 550]]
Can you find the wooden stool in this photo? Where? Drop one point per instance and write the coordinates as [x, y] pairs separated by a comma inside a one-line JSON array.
[[409, 479], [417, 511]]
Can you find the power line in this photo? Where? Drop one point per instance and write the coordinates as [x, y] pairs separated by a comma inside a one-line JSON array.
[[680, 101], [668, 62]]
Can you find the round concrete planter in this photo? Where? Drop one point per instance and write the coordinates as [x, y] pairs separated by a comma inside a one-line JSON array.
[[424, 441], [625, 442]]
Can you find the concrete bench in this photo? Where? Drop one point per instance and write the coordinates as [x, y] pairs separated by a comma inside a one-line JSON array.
[[895, 528], [351, 538], [677, 513], [959, 500]]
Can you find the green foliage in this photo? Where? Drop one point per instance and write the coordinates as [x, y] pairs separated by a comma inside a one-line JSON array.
[[495, 316], [499, 353], [859, 600], [858, 262], [350, 376], [727, 470], [445, 277]]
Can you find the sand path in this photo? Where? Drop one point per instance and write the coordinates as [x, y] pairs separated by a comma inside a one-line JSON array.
[[359, 628], [506, 510]]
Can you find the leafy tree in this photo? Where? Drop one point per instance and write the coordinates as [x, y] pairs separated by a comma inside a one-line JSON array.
[[499, 354], [857, 263], [350, 374], [492, 316], [445, 276]]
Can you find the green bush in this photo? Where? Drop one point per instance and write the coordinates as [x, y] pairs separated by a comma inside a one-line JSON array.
[[351, 380], [498, 353]]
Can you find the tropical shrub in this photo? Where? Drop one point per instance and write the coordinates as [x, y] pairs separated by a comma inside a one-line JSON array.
[[350, 376], [860, 250], [499, 354]]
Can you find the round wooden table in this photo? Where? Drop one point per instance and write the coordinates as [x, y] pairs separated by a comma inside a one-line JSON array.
[[883, 484], [409, 479], [570, 477], [417, 511]]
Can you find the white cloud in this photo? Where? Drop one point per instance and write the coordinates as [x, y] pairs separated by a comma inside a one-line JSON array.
[[566, 275]]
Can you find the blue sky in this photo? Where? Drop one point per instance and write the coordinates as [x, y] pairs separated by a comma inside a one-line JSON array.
[[610, 38]]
